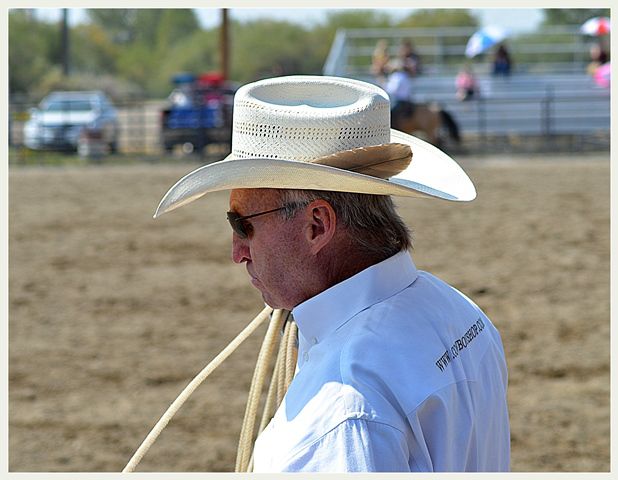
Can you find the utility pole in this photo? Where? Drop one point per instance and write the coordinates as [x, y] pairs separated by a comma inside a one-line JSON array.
[[65, 42], [224, 45]]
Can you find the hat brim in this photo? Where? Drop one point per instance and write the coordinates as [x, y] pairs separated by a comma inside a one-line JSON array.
[[432, 173]]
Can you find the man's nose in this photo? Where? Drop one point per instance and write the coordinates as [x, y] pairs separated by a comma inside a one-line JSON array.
[[240, 249]]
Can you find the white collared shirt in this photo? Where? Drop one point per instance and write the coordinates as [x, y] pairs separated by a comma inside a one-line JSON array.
[[397, 371]]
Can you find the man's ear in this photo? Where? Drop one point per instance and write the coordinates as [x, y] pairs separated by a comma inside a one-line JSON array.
[[321, 225]]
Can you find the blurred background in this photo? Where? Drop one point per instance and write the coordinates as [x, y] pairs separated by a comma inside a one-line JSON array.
[[111, 313], [168, 76]]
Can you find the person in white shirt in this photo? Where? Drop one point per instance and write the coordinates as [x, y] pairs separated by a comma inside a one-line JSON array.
[[399, 88], [399, 83], [397, 371]]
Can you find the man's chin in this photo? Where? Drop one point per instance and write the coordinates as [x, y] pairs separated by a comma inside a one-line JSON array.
[[270, 302], [274, 303], [268, 298]]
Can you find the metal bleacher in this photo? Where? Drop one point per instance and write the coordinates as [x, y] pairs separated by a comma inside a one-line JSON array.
[[530, 102], [523, 104]]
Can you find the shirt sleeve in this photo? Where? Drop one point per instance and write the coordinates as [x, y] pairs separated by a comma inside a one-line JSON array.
[[355, 445]]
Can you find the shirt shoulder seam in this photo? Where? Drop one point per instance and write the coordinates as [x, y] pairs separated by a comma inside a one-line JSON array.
[[348, 418]]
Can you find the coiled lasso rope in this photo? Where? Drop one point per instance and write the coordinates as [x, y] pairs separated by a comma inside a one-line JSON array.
[[284, 369], [288, 357]]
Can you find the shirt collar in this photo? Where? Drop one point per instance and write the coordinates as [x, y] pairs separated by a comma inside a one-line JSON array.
[[321, 315]]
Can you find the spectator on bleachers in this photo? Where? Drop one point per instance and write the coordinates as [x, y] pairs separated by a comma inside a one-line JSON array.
[[379, 61], [502, 63], [409, 57], [598, 57], [466, 85]]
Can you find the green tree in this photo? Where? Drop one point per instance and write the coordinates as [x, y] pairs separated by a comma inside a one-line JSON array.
[[196, 54], [138, 63], [145, 25], [149, 42], [34, 47], [174, 25], [267, 47], [572, 16], [92, 50], [439, 17], [119, 23], [356, 18]]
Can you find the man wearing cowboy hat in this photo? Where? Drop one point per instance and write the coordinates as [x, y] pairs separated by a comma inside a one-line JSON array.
[[397, 371]]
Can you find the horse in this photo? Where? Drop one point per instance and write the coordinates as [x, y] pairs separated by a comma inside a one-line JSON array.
[[427, 118]]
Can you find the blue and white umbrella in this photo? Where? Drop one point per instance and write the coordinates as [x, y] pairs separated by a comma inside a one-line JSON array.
[[483, 39]]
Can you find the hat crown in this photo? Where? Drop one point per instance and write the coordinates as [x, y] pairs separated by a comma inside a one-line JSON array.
[[303, 117], [314, 133]]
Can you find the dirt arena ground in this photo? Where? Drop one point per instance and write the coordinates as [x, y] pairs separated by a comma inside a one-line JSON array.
[[112, 313]]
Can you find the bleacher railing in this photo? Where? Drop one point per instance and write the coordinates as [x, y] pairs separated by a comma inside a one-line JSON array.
[[554, 49]]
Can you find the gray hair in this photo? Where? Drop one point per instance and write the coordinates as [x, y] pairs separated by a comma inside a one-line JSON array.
[[372, 222]]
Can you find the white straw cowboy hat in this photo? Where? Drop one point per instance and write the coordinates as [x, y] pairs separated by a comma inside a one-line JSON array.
[[322, 133]]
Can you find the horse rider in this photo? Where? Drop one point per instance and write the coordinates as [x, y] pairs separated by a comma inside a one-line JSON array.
[[399, 89]]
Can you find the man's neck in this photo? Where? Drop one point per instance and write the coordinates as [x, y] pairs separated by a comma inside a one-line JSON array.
[[347, 263]]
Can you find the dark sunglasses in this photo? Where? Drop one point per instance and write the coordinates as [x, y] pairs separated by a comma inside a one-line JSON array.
[[237, 221]]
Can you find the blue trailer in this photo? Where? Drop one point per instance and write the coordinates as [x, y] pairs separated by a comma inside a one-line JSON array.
[[199, 112]]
